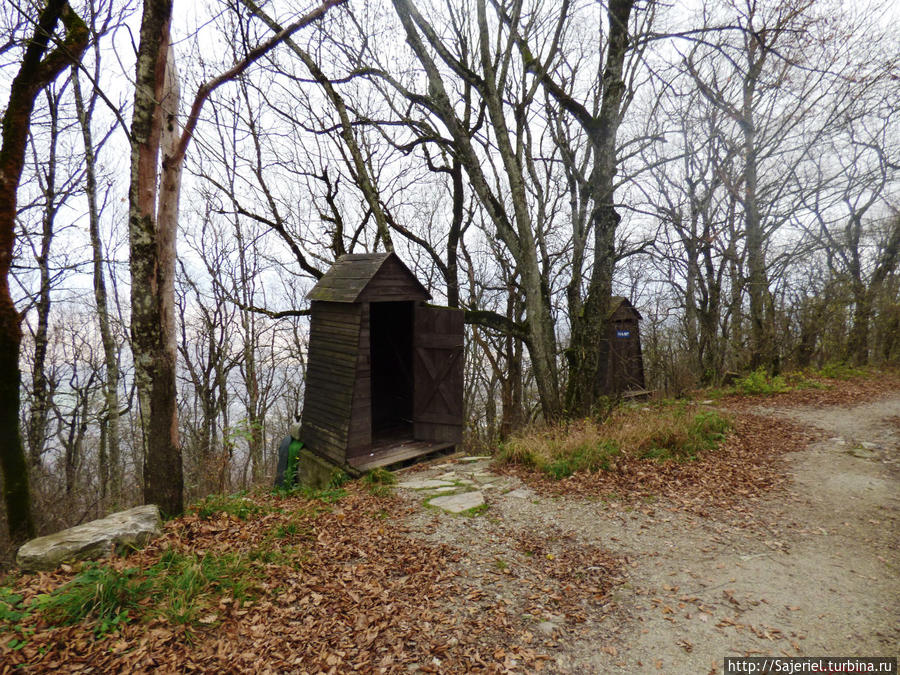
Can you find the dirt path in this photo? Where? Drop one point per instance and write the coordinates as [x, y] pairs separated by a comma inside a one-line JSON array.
[[817, 572]]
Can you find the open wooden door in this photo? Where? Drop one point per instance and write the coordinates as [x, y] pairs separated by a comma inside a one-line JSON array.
[[438, 373]]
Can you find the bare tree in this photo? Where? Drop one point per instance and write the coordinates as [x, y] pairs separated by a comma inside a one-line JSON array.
[[782, 75], [110, 459], [153, 213], [851, 199], [696, 241], [596, 180], [38, 68]]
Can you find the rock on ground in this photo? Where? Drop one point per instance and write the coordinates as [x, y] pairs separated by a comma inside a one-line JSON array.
[[96, 539], [458, 503]]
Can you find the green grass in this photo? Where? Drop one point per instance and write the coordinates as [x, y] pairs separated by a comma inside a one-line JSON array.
[[236, 505], [273, 555], [380, 482], [590, 457], [286, 531], [338, 478], [327, 495], [475, 511], [106, 596], [330, 494], [11, 608], [758, 383], [703, 431], [294, 530], [560, 452], [184, 585], [179, 587], [663, 431]]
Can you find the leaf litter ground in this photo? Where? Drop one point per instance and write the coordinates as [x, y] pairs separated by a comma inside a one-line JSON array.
[[382, 585]]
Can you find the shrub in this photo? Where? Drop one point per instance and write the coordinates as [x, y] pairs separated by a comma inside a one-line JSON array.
[[835, 370]]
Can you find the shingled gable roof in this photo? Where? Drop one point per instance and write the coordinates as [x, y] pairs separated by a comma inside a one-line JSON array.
[[351, 273], [616, 301]]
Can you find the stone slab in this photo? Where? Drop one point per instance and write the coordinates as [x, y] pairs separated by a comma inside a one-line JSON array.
[[424, 484], [96, 539], [458, 503], [863, 453], [521, 493]]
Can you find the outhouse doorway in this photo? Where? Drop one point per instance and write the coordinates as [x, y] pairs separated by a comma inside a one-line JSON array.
[[391, 349]]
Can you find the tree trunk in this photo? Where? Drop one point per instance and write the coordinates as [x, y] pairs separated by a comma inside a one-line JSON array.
[[864, 295], [512, 413], [111, 470], [589, 347], [40, 390], [858, 344], [34, 74], [757, 281], [518, 235], [151, 236], [455, 234], [251, 381], [710, 349], [542, 335], [151, 250], [692, 328]]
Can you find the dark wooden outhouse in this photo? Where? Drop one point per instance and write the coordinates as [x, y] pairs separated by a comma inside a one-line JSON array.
[[384, 377], [625, 371]]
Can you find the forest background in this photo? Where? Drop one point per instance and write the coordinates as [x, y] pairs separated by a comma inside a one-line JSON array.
[[728, 165]]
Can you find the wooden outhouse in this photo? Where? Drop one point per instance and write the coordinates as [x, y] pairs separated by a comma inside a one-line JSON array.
[[625, 370], [384, 377]]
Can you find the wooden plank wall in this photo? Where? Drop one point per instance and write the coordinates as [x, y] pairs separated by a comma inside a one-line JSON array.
[[360, 438], [438, 352], [334, 341], [393, 283]]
